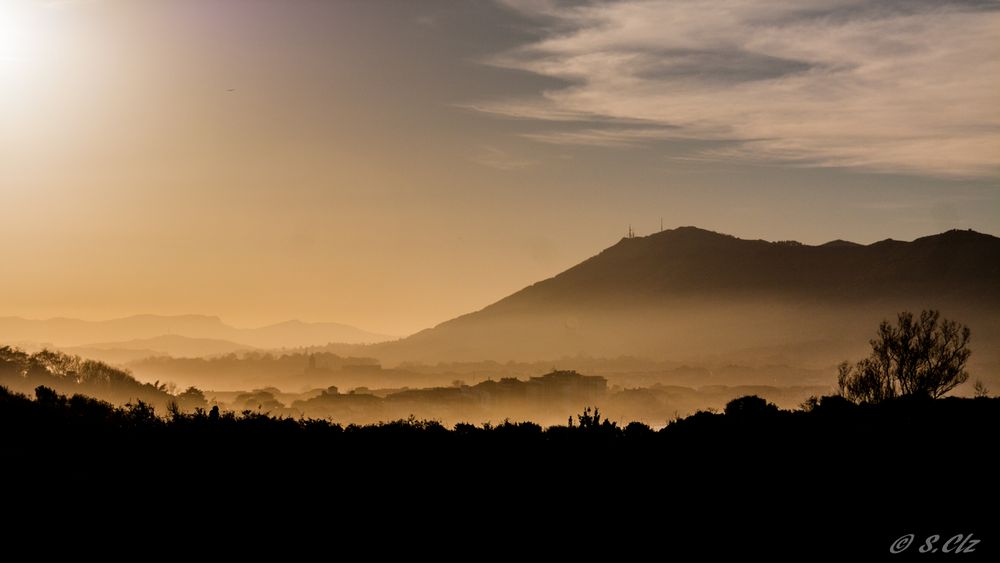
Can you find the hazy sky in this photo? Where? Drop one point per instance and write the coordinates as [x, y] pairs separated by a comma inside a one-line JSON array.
[[392, 164]]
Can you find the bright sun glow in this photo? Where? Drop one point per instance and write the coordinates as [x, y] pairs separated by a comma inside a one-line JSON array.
[[20, 33]]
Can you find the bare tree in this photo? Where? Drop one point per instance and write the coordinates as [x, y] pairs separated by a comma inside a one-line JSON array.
[[919, 356]]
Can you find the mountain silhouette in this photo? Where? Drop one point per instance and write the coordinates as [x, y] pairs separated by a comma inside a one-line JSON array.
[[694, 262], [63, 332], [692, 293]]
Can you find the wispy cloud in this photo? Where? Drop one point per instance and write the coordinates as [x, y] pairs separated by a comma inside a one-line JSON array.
[[903, 86], [499, 159], [605, 137]]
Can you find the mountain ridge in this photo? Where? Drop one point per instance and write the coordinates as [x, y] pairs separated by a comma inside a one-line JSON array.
[[686, 283]]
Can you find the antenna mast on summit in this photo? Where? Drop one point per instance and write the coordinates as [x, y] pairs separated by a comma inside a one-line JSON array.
[[661, 224], [631, 233]]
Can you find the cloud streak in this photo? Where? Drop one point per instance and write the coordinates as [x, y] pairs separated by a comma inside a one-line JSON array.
[[892, 86], [499, 159]]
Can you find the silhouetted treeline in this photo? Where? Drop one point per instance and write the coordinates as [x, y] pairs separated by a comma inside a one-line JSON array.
[[747, 421], [23, 372], [834, 476]]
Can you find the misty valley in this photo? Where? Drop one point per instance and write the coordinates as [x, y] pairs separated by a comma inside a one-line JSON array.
[[359, 391]]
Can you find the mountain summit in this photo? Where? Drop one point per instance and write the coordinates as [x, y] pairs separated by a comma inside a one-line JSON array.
[[689, 261]]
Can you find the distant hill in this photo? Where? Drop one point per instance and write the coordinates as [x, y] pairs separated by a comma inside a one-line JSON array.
[[691, 293], [167, 345], [294, 334], [62, 332]]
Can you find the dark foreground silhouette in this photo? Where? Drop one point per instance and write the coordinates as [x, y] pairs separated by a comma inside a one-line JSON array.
[[834, 478]]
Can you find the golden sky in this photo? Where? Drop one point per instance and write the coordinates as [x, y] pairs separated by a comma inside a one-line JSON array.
[[392, 164]]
